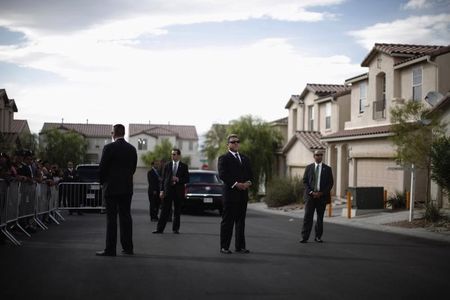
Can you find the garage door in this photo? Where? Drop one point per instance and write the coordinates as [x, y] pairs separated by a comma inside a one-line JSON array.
[[374, 172]]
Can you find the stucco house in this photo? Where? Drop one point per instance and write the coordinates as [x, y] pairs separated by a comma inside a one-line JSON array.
[[319, 110], [10, 129], [97, 136], [146, 136], [396, 73]]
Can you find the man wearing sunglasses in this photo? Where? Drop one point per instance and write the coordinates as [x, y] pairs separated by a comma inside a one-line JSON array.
[[175, 176], [235, 171], [318, 181]]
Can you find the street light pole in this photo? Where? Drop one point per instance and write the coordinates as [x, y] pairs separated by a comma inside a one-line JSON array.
[[411, 201]]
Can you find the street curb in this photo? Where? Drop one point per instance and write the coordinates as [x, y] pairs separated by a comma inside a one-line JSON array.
[[359, 223]]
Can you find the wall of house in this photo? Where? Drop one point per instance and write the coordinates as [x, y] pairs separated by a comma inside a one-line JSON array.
[[95, 148], [429, 82], [291, 119], [444, 72], [151, 143], [342, 109], [309, 100], [297, 159]]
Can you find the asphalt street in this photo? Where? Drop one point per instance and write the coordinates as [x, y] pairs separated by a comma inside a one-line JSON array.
[[352, 263]]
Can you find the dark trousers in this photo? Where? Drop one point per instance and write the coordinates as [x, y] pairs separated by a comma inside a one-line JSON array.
[[234, 212], [118, 204], [154, 204], [172, 197], [312, 205]]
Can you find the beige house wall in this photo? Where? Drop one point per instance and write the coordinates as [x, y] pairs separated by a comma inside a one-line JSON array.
[[292, 121], [444, 72], [297, 159]]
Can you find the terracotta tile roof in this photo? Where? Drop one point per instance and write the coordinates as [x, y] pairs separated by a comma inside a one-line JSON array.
[[311, 140], [360, 132], [336, 95], [19, 126], [442, 104], [294, 98], [440, 51], [88, 130], [186, 132], [325, 89], [404, 50]]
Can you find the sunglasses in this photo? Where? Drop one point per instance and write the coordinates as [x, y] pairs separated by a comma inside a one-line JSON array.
[[234, 142], [318, 154], [174, 153]]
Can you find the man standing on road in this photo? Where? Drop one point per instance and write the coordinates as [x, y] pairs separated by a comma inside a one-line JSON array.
[[235, 171], [154, 182], [117, 167], [318, 181], [175, 176]]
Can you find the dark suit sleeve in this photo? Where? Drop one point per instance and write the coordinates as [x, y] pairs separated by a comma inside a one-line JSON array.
[[224, 171], [307, 180], [329, 180], [104, 164], [184, 176]]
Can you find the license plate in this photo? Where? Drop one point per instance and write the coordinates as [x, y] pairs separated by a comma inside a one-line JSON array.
[[90, 196], [207, 200]]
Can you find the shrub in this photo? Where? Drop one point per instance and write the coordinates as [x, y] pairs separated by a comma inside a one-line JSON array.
[[397, 200], [432, 212], [284, 191]]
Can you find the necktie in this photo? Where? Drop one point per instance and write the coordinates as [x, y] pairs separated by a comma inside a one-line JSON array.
[[174, 169], [238, 158], [316, 177]]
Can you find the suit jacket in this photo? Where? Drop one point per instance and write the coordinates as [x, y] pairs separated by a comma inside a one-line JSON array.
[[153, 181], [117, 167], [70, 176], [166, 182], [326, 181], [232, 171]]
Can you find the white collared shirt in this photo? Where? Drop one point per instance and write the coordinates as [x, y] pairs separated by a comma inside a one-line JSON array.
[[317, 187]]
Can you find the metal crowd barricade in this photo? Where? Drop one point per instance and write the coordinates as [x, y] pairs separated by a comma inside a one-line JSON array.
[[25, 201], [80, 195]]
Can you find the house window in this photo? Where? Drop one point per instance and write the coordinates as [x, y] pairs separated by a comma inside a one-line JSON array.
[[311, 117], [294, 120], [417, 83], [328, 115], [191, 145], [142, 144], [362, 97]]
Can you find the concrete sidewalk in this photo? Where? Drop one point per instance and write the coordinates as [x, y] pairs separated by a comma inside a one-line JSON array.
[[375, 220]]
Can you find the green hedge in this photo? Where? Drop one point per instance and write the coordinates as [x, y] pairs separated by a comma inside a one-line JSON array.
[[284, 191]]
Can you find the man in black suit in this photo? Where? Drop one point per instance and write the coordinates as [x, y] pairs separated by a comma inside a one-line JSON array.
[[175, 176], [69, 190], [318, 181], [117, 166], [235, 171], [154, 182]]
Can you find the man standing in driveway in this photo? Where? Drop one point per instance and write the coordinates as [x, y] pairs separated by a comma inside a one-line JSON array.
[[175, 176], [235, 171], [154, 182], [117, 167], [318, 181]]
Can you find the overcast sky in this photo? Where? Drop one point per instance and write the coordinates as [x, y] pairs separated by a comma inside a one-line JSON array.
[[192, 62]]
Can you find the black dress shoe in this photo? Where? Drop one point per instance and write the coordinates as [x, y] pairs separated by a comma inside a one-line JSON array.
[[104, 253], [176, 232], [318, 240], [225, 251], [128, 252], [304, 241], [242, 251], [157, 231]]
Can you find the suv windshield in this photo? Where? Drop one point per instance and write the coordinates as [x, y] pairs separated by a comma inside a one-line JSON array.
[[88, 173]]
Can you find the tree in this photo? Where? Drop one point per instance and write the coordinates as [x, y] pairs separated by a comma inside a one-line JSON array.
[[415, 130], [162, 153], [215, 141], [29, 141], [258, 142], [61, 147], [440, 163]]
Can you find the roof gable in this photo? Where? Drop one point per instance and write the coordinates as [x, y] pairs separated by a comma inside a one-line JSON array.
[[311, 140], [186, 132], [321, 90], [88, 130], [398, 50]]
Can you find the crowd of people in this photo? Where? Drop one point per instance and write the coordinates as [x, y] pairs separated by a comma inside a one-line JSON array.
[[24, 167]]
